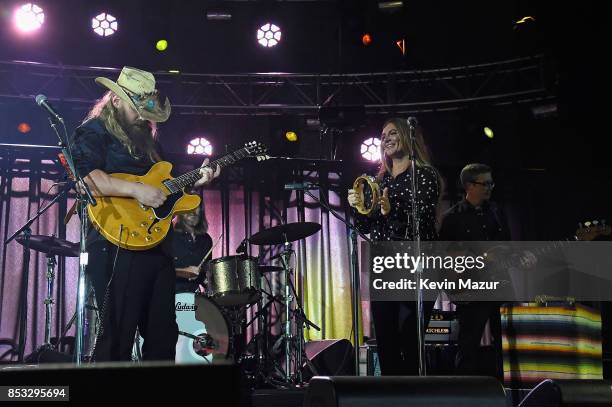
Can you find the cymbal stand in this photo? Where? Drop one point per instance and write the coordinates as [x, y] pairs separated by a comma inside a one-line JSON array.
[[300, 319], [285, 258], [48, 311], [51, 262], [261, 338]]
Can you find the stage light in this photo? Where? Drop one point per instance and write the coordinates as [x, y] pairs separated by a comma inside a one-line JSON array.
[[370, 149], [390, 6], [401, 44], [542, 111], [218, 15], [199, 146], [291, 136], [29, 17], [24, 128], [527, 20], [104, 24], [488, 132], [161, 45], [366, 39], [269, 35]]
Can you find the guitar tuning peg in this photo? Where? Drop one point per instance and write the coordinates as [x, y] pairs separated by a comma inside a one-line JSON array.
[[603, 223], [595, 222], [587, 224], [579, 225]]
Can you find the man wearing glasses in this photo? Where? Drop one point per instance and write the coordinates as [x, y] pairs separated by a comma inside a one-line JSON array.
[[476, 218]]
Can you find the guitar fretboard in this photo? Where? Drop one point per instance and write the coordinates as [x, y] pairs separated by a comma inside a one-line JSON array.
[[177, 184]]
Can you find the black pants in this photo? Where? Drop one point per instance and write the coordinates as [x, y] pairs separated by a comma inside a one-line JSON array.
[[396, 335], [472, 318], [141, 294]]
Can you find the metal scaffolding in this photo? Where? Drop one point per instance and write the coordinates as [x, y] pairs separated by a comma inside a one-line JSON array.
[[512, 81]]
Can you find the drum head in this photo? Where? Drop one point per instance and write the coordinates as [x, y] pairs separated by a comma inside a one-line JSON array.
[[225, 259]]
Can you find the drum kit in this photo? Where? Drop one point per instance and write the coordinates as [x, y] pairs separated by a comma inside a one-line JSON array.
[[212, 321]]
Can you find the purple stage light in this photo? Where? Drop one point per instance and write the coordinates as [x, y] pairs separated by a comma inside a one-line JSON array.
[[29, 17]]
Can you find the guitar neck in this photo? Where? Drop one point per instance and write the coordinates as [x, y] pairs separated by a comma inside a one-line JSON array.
[[541, 251], [189, 178]]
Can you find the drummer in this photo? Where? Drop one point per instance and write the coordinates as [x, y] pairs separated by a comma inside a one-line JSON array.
[[191, 243]]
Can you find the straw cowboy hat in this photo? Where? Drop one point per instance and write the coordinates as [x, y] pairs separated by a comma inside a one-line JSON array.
[[137, 88]]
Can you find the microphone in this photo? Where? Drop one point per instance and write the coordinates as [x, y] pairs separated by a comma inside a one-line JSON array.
[[412, 121], [301, 186], [41, 100]]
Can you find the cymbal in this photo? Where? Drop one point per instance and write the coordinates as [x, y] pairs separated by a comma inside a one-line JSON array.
[[269, 269], [288, 232], [51, 245]]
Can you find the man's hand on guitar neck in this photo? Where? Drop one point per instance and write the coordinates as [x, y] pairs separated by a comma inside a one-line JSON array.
[[207, 174]]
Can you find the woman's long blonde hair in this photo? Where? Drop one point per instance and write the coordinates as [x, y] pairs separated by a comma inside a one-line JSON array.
[[105, 111], [422, 156]]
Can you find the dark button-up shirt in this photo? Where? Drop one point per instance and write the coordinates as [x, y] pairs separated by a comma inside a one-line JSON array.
[[93, 147], [188, 251], [464, 222]]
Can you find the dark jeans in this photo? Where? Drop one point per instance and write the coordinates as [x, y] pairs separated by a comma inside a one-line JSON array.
[[472, 318], [141, 294], [396, 335]]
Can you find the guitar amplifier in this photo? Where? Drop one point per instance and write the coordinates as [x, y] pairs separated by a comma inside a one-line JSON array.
[[440, 359], [440, 345], [443, 328]]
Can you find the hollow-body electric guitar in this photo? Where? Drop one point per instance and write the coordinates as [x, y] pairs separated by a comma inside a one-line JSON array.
[[128, 224]]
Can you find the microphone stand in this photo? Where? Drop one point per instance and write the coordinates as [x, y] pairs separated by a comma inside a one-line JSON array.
[[355, 286], [416, 237], [84, 200]]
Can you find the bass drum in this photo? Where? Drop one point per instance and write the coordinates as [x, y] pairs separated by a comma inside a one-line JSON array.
[[203, 331]]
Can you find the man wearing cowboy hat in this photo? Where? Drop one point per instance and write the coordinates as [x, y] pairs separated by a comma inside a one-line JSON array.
[[134, 289]]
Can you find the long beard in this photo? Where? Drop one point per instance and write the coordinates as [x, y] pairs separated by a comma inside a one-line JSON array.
[[140, 135]]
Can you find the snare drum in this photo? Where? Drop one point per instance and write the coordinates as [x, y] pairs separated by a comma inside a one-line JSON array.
[[233, 280]]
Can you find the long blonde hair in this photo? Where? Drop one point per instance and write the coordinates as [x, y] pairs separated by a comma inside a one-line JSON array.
[[200, 228], [105, 111], [422, 155]]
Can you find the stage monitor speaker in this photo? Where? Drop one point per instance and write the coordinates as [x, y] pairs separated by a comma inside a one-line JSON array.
[[405, 391], [570, 393], [126, 382], [334, 357]]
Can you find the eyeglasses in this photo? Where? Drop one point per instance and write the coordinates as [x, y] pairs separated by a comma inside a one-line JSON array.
[[485, 184]]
